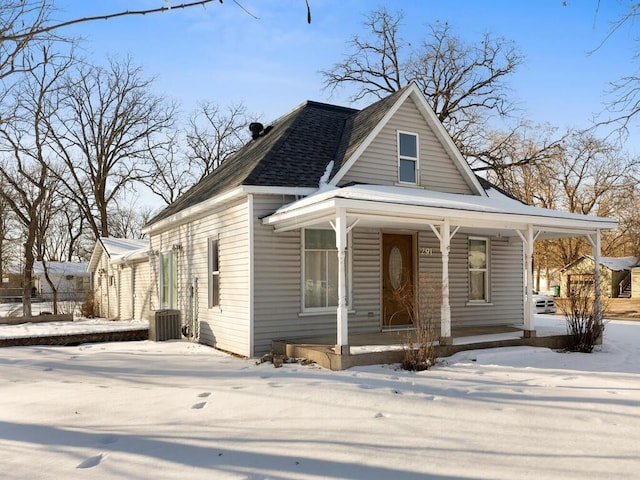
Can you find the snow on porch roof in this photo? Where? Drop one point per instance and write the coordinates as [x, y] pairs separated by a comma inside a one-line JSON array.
[[617, 264], [495, 204]]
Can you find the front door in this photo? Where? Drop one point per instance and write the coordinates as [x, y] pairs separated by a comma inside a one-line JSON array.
[[398, 293]]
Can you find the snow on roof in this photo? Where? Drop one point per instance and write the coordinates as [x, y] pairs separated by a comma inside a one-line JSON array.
[[62, 268], [496, 202], [617, 264], [123, 246]]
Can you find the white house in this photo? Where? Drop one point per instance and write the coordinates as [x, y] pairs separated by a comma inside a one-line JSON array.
[[70, 280], [314, 225], [122, 280]]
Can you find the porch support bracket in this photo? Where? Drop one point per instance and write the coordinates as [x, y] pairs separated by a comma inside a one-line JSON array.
[[595, 241], [445, 235], [528, 239]]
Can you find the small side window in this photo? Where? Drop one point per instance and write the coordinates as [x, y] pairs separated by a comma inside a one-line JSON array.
[[407, 158], [214, 274]]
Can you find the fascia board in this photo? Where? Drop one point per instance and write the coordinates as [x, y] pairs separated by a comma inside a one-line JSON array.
[[193, 212], [202, 208], [469, 218]]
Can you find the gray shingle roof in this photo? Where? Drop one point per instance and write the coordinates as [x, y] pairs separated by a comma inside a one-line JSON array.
[[294, 153]]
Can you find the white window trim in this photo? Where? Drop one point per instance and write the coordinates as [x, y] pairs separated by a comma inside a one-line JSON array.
[[416, 159], [211, 273], [486, 270], [172, 301], [308, 311]]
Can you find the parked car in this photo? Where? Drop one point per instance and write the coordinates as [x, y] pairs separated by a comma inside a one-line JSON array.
[[544, 303]]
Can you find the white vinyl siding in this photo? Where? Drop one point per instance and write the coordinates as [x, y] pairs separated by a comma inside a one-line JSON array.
[[226, 327], [125, 293], [278, 279], [379, 162]]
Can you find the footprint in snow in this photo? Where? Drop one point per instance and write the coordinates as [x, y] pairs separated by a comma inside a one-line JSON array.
[[199, 405], [204, 394], [92, 461]]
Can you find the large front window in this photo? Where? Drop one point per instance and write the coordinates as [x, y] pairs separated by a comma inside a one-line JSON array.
[[478, 270], [320, 269]]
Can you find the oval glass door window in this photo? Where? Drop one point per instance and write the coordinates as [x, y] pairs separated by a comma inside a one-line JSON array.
[[395, 267]]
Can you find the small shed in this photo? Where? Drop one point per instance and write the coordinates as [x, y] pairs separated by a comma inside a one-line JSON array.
[[615, 275]]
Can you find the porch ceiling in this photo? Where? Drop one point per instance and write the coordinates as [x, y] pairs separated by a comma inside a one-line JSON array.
[[402, 208]]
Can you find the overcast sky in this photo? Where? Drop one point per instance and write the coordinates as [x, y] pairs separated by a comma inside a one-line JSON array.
[[272, 63]]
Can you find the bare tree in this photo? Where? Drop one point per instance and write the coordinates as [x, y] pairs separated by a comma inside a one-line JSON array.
[[107, 122], [126, 219], [9, 234], [25, 165], [213, 134], [465, 84], [583, 174]]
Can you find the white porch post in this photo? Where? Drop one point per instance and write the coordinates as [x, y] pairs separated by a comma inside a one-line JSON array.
[[445, 235], [342, 346], [529, 327], [597, 304], [597, 299]]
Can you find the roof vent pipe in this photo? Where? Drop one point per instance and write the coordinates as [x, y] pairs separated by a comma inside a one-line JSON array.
[[256, 129]]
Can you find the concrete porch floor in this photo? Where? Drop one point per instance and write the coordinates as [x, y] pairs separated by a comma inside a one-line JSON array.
[[388, 346]]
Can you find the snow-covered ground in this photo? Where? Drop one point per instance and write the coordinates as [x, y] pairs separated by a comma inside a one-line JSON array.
[[177, 410], [78, 326]]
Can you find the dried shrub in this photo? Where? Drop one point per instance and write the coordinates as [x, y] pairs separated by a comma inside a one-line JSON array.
[[585, 326], [419, 343], [88, 307]]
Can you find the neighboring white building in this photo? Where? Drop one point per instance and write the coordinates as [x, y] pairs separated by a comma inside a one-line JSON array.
[[70, 279], [121, 278]]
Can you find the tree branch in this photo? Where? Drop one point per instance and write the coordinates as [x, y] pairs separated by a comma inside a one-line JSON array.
[[49, 28]]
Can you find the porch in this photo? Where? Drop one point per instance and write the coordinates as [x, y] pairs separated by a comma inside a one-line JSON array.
[[388, 346]]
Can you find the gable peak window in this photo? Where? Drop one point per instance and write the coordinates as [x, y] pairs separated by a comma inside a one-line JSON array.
[[408, 157]]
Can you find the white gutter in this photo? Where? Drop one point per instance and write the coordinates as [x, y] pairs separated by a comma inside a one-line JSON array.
[[202, 208], [287, 220]]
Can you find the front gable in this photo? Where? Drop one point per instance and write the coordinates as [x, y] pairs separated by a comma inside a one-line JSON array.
[[440, 166]]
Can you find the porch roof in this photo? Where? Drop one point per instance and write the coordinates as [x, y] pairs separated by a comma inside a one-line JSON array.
[[406, 207]]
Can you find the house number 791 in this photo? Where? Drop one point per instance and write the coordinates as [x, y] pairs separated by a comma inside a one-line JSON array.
[[426, 251]]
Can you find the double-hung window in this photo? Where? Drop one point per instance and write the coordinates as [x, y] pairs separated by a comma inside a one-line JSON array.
[[320, 289], [168, 280], [478, 269], [407, 157], [214, 274]]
